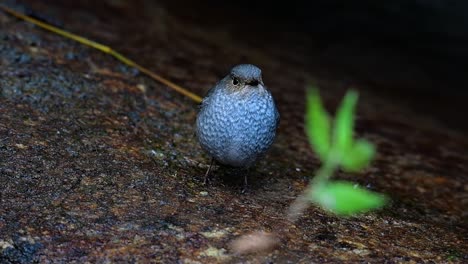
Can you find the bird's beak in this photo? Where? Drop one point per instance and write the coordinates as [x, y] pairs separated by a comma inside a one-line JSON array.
[[258, 86]]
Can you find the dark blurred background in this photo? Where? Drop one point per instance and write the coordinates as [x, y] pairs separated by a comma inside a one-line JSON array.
[[433, 34]]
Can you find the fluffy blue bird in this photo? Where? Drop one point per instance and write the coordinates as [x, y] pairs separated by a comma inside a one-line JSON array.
[[238, 119]]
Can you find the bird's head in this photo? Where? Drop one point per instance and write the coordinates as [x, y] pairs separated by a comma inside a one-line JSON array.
[[244, 77]]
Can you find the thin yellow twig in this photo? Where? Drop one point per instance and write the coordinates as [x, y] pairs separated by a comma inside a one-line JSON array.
[[105, 49]]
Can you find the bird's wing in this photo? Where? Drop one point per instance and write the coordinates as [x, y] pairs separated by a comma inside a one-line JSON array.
[[277, 117]]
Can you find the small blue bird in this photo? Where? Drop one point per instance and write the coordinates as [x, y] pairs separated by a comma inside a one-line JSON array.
[[238, 119]]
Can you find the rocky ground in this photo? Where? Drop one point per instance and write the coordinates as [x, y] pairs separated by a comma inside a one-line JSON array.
[[100, 163]]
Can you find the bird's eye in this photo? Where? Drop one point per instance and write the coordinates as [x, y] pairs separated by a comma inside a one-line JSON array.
[[235, 81]]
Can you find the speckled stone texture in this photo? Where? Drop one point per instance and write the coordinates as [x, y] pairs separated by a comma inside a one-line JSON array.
[[99, 163]]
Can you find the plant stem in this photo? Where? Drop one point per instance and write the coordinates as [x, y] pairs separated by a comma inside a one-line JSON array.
[[323, 174], [326, 171]]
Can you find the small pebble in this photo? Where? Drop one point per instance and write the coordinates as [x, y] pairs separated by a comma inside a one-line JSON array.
[[23, 58], [70, 56], [141, 87], [20, 146]]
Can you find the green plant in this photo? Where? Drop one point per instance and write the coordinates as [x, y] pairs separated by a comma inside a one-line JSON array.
[[333, 142]]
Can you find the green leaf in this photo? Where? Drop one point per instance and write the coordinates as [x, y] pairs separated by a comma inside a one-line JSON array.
[[359, 156], [345, 198], [317, 124], [344, 124]]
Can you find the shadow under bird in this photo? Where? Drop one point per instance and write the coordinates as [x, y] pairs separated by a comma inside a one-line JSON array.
[[238, 119]]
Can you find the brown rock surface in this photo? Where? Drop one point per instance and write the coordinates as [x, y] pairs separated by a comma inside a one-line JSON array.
[[99, 163]]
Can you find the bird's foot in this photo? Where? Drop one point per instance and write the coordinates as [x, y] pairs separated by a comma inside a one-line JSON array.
[[207, 174]]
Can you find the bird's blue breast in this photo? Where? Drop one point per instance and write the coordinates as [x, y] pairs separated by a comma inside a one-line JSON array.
[[235, 128]]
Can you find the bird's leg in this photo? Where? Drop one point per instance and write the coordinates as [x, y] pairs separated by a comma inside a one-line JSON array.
[[244, 188], [207, 174], [246, 172]]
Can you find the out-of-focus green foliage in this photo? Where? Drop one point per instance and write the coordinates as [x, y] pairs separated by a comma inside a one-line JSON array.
[[336, 147], [358, 156], [318, 125], [344, 124], [345, 198]]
